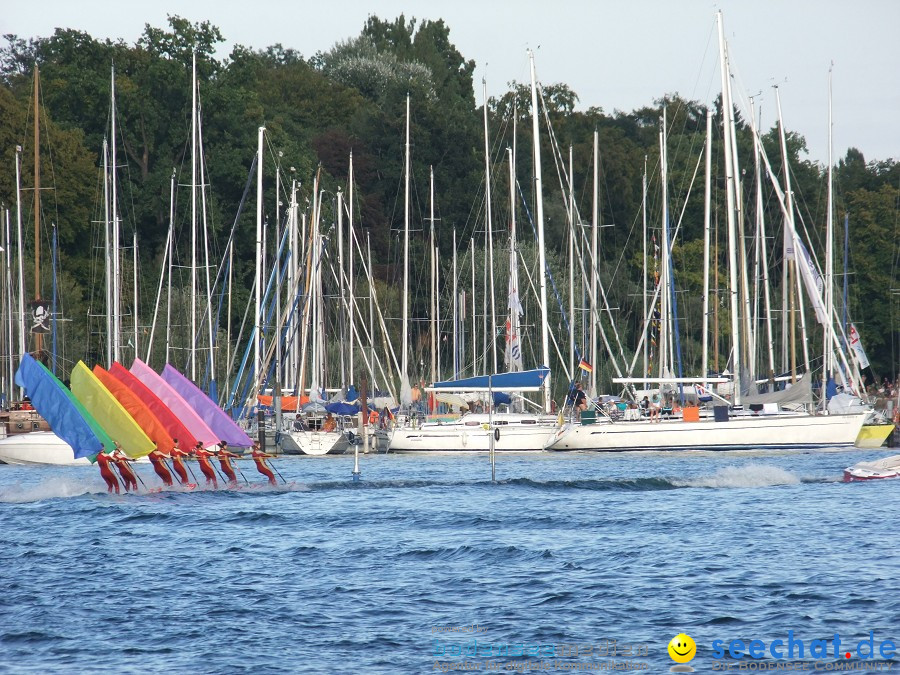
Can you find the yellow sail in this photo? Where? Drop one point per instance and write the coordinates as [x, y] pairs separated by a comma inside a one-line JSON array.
[[114, 419]]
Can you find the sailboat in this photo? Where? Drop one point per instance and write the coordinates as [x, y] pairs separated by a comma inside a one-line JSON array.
[[502, 431], [767, 421]]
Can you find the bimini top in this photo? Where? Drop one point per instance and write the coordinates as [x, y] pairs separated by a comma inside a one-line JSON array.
[[527, 380]]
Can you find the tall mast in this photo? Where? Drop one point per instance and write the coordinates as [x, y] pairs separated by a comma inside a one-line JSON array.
[[405, 392], [490, 233], [730, 192], [828, 355], [707, 209], [433, 281], [572, 337], [455, 315], [38, 344], [257, 336], [644, 372], [539, 211], [171, 244], [472, 302], [350, 240], [595, 229], [193, 351], [107, 246], [20, 245]]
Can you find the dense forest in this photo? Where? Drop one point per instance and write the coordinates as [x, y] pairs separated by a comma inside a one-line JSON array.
[[352, 98]]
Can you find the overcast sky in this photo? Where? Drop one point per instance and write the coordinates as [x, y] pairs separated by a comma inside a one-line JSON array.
[[616, 55]]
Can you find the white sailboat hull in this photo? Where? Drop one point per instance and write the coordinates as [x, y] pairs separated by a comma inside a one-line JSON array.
[[314, 442], [473, 433], [38, 448], [741, 432]]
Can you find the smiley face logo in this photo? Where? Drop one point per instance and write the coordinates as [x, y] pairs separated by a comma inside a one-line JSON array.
[[682, 648]]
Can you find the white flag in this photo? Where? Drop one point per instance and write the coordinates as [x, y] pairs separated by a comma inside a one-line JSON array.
[[856, 344]]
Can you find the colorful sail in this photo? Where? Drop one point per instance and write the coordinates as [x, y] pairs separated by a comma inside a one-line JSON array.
[[169, 419], [213, 415], [56, 404], [145, 418], [104, 407], [175, 402]]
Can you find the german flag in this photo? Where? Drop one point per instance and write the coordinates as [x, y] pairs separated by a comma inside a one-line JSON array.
[[585, 366]]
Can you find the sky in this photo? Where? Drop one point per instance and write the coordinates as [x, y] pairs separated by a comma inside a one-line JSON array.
[[615, 55]]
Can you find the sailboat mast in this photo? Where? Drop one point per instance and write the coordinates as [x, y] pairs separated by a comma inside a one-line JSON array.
[[595, 230], [257, 336], [433, 268], [728, 121], [707, 209], [455, 315], [20, 245], [193, 336], [107, 247], [404, 370], [350, 240], [644, 372], [38, 346], [539, 211], [572, 331], [490, 232], [828, 355]]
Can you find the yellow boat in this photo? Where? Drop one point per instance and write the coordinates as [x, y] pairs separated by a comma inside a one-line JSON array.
[[873, 435]]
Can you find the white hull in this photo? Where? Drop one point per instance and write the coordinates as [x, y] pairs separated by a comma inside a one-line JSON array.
[[472, 433], [38, 448], [314, 442], [889, 467], [740, 432]]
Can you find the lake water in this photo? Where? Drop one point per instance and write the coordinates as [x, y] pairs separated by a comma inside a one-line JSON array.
[[570, 561]]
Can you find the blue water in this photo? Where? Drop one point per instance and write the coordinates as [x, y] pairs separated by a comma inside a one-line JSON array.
[[327, 576]]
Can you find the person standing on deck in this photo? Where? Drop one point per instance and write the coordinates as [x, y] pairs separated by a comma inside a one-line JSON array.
[[103, 461], [225, 456], [260, 458], [158, 459], [129, 479], [177, 455], [203, 456]]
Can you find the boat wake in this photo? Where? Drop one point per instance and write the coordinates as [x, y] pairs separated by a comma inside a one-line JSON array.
[[747, 476], [51, 488]]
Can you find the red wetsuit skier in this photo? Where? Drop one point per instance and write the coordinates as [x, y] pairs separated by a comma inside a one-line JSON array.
[[177, 456], [225, 456], [157, 458], [103, 461], [129, 479], [205, 467], [260, 458]]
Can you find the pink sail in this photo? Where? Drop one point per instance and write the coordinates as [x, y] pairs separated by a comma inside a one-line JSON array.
[[213, 415], [169, 419], [176, 403]]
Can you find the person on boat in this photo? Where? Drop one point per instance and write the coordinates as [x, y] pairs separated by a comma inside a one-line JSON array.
[[178, 467], [103, 461], [329, 424], [260, 458], [225, 455], [654, 408], [158, 459], [206, 468], [645, 406], [129, 479], [579, 398]]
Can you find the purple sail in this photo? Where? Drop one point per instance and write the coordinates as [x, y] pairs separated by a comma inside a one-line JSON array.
[[214, 417]]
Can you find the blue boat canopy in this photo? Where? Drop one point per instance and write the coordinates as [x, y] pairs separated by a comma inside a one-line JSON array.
[[527, 380]]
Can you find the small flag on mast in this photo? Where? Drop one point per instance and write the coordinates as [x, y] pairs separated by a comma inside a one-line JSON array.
[[585, 366]]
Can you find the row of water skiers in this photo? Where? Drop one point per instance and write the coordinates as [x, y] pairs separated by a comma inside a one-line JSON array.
[[106, 460]]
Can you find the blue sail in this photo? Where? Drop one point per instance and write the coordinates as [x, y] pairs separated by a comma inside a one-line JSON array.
[[526, 380], [56, 404]]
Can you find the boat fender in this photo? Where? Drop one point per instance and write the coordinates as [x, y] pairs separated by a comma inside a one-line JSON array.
[[496, 433], [465, 439]]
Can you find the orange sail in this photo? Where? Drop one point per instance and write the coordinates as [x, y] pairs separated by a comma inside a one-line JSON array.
[[146, 419]]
